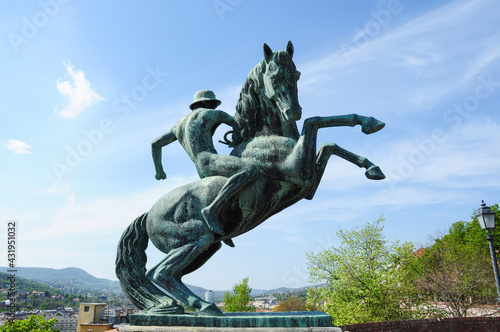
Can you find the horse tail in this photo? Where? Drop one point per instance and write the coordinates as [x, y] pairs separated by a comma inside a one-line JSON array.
[[131, 267]]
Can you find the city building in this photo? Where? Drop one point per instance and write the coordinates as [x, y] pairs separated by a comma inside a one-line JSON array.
[[91, 318], [209, 296], [66, 324]]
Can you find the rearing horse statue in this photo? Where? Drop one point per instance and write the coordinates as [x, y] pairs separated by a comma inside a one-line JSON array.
[[265, 135]]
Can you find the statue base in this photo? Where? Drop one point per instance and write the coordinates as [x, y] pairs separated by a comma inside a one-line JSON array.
[[262, 321], [225, 329]]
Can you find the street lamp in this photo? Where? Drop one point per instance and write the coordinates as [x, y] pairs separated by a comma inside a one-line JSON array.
[[486, 218]]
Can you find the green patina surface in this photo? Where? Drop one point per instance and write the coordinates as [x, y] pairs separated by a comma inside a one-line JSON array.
[[238, 319]]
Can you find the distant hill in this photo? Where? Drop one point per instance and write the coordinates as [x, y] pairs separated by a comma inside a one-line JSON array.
[[261, 292], [219, 294], [68, 277], [79, 279]]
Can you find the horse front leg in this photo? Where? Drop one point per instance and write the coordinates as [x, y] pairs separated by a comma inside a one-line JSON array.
[[369, 125], [373, 172], [300, 164]]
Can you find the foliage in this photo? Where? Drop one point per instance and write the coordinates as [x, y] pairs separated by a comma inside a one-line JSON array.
[[238, 301], [64, 297], [367, 278], [292, 304], [456, 269], [27, 285], [280, 296], [32, 324]]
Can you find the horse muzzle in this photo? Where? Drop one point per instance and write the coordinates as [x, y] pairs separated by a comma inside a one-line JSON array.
[[292, 114]]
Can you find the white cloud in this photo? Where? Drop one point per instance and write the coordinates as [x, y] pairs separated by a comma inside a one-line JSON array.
[[424, 172], [444, 49], [106, 214], [420, 172], [18, 147], [79, 91]]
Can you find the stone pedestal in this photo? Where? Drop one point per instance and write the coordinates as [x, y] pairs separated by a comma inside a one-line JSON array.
[[303, 321], [226, 329]]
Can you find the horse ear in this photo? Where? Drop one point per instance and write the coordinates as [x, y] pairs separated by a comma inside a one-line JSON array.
[[268, 53], [289, 48]]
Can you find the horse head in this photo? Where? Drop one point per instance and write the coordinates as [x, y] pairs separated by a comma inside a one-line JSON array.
[[280, 82], [269, 102]]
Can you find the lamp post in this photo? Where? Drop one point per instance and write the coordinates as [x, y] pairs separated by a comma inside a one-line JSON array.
[[486, 218]]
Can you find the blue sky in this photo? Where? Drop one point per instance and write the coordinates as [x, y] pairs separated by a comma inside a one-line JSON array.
[[86, 87]]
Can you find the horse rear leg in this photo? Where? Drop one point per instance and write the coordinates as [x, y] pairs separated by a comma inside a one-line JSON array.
[[169, 271], [373, 172]]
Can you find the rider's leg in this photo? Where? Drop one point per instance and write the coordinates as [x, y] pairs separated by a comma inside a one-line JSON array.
[[239, 173], [234, 184]]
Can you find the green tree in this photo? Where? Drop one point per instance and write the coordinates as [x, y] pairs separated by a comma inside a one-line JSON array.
[[32, 324], [238, 301], [367, 278], [292, 304], [456, 268]]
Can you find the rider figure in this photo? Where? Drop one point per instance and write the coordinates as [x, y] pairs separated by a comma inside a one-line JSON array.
[[194, 132]]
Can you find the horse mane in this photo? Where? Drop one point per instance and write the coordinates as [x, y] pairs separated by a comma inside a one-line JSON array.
[[248, 104], [250, 99]]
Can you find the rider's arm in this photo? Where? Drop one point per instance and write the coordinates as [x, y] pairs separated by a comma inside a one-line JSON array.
[[156, 146], [223, 117]]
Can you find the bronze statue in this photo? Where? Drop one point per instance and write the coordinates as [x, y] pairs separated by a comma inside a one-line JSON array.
[[271, 167]]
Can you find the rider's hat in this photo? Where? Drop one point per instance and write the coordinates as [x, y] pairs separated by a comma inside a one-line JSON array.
[[204, 95]]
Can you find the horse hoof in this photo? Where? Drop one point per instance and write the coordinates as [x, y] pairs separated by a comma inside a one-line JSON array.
[[372, 125], [374, 173], [210, 310]]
